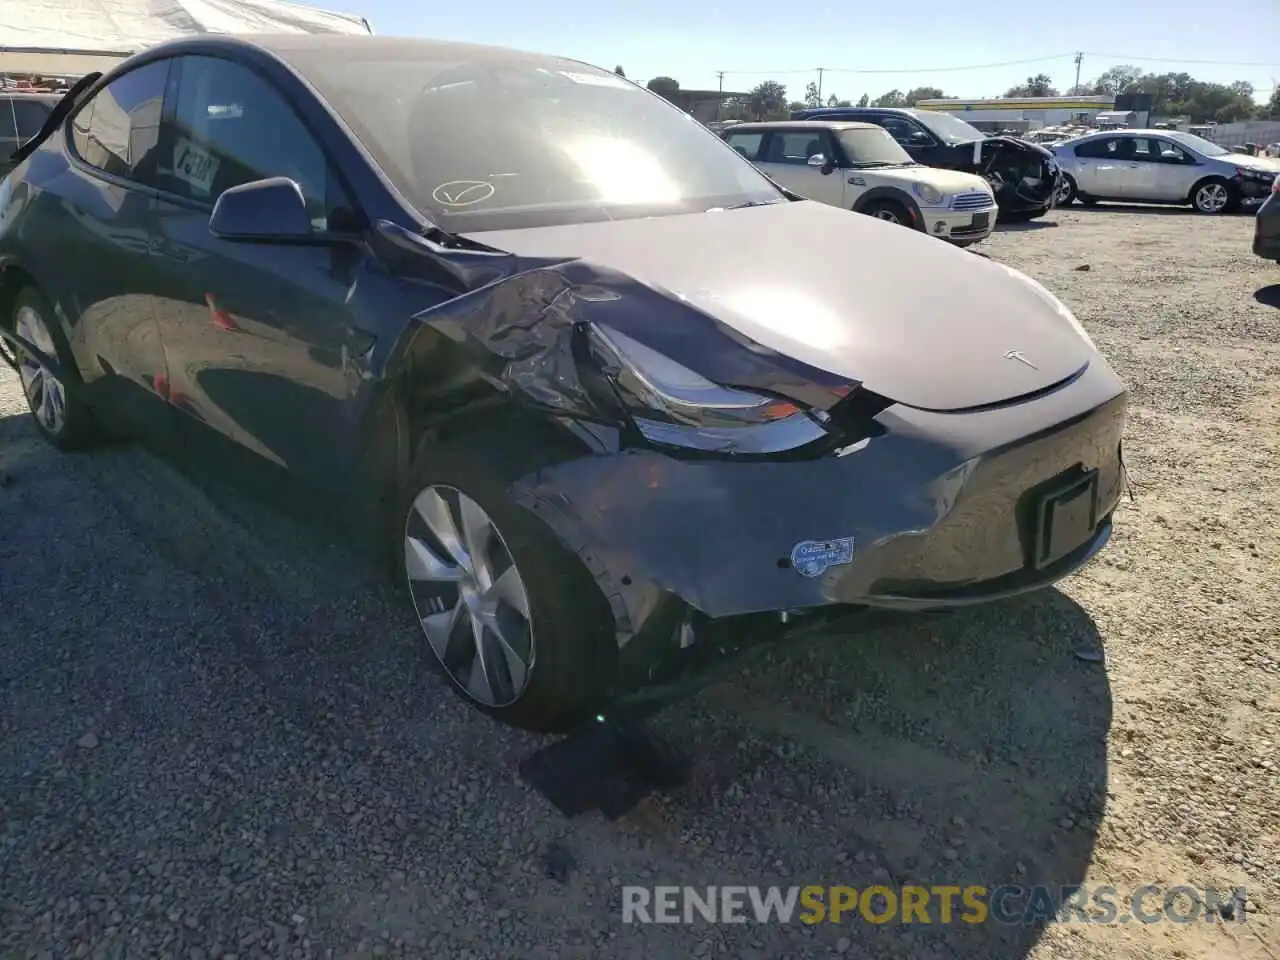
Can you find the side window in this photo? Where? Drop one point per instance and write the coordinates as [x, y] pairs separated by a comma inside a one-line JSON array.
[[747, 144], [230, 127], [1167, 152], [117, 131], [30, 115], [905, 132], [794, 146], [1144, 149], [1097, 149]]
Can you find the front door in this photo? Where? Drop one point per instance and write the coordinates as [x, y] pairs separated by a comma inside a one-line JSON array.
[[253, 332], [94, 227], [804, 160], [1176, 173]]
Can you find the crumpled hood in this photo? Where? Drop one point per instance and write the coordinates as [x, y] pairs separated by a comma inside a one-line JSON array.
[[913, 318], [1244, 160]]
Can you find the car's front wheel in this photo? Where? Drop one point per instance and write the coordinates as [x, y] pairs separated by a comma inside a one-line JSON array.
[[508, 614], [1212, 196], [60, 414], [1066, 191], [889, 211]]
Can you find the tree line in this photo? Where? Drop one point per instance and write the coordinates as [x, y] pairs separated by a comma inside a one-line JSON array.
[[1174, 95]]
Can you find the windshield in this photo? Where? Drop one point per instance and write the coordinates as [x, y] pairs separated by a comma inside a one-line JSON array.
[[873, 147], [946, 127], [1200, 145], [511, 141]]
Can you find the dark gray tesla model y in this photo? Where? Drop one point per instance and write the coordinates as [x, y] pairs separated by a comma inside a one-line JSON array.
[[610, 396]]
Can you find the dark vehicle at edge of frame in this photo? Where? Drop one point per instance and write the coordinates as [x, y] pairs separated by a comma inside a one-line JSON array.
[[609, 398], [1023, 175]]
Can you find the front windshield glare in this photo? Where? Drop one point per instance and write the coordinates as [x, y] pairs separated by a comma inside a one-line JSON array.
[[872, 146], [1200, 145], [947, 127], [502, 143]]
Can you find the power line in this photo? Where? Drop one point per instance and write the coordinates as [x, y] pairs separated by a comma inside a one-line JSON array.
[[1114, 57], [1204, 63]]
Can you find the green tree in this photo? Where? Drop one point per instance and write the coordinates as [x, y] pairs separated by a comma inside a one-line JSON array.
[[812, 98], [1038, 86], [864, 100], [768, 99], [664, 87], [1117, 80], [893, 98], [1272, 109], [619, 71], [834, 101], [924, 93]]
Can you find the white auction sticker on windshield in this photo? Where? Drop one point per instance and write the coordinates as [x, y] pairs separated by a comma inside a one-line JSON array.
[[597, 79], [194, 165]]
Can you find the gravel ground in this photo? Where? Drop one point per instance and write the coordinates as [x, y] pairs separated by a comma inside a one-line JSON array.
[[218, 737]]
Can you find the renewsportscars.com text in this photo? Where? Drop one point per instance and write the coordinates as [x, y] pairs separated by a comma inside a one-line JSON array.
[[939, 904]]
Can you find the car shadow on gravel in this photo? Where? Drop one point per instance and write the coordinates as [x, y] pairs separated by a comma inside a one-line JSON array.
[[220, 736], [1024, 226], [1269, 296], [960, 750], [1160, 210]]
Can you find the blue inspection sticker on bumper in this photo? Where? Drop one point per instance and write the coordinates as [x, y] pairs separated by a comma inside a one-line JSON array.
[[812, 558]]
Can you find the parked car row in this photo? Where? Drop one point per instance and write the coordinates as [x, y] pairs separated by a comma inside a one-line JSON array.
[[553, 363], [935, 173]]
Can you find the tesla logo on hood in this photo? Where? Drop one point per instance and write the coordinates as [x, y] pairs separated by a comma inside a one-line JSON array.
[[462, 193], [1018, 355]]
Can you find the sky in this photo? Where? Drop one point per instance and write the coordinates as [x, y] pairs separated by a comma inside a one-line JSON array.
[[922, 42]]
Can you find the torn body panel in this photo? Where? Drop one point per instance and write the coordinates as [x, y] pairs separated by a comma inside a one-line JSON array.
[[1023, 175]]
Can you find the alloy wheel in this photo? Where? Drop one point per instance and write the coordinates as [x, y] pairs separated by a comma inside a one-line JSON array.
[[1212, 198], [1064, 190], [469, 596], [888, 216], [45, 392]]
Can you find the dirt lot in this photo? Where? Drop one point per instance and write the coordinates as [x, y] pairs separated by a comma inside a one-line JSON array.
[[218, 738]]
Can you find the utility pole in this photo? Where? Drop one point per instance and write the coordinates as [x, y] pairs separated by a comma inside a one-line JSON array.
[[1079, 60], [820, 72], [720, 98]]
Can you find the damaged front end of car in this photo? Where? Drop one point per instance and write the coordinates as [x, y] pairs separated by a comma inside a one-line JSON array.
[[1023, 175], [722, 494]]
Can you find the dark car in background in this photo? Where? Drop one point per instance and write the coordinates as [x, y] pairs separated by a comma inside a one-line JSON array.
[[1023, 175], [607, 397], [21, 117], [1266, 228]]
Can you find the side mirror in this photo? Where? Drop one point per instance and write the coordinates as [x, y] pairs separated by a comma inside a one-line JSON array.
[[818, 160], [264, 210]]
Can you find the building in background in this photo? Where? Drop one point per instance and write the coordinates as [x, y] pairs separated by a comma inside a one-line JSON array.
[[707, 105], [1022, 113]]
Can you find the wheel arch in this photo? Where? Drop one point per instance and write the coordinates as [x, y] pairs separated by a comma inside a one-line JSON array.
[[885, 194], [1207, 178]]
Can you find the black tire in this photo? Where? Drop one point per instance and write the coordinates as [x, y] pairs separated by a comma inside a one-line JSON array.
[[575, 652], [1216, 186], [890, 211], [1066, 192], [1086, 201], [78, 430]]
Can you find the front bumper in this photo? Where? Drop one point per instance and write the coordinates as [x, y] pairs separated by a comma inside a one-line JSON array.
[[967, 226], [936, 506], [1252, 191]]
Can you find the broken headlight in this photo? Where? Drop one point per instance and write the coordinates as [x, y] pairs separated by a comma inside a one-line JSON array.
[[671, 405]]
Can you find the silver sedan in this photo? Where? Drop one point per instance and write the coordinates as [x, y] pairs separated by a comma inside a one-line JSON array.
[[1161, 166]]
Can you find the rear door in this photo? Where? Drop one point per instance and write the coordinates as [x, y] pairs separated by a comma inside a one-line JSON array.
[[1100, 170], [254, 333], [789, 157]]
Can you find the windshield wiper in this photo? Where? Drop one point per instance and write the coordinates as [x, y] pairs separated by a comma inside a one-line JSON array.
[[748, 203]]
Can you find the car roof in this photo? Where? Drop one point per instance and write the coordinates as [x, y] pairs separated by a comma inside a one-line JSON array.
[[1126, 131], [292, 47], [805, 125]]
